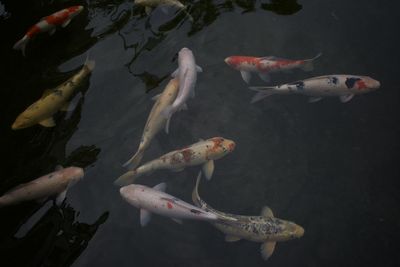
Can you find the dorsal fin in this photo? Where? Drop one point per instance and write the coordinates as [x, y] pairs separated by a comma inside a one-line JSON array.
[[267, 212], [160, 187]]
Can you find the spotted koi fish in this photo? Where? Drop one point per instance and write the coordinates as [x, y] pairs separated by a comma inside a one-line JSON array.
[[266, 65], [52, 184], [48, 24], [201, 153], [155, 200], [343, 86], [42, 111], [266, 228]]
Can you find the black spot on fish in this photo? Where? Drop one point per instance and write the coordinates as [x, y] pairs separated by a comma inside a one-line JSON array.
[[195, 211], [350, 82], [299, 85], [58, 92], [333, 80], [50, 176]]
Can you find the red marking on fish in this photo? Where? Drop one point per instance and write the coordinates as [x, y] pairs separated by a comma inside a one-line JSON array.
[[187, 155], [182, 156], [169, 205], [58, 18], [231, 146], [33, 31], [361, 85]]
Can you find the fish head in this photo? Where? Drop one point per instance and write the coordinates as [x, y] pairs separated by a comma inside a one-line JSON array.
[[22, 121], [235, 61], [185, 52], [220, 147], [73, 174], [74, 11], [289, 230], [369, 83], [131, 193]]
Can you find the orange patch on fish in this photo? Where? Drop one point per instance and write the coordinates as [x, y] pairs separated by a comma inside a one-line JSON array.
[[169, 205]]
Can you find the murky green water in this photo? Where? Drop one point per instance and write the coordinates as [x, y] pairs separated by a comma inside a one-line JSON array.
[[328, 166]]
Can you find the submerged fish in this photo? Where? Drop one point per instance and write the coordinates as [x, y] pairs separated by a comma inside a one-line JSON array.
[[266, 65], [343, 86], [187, 75], [150, 4], [201, 153], [155, 200], [265, 228], [53, 184], [156, 121], [42, 111], [48, 24]]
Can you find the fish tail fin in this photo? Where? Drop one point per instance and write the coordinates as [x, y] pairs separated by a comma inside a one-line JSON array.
[[21, 44], [90, 64], [127, 178], [195, 193], [309, 63], [134, 161], [262, 92], [167, 113]]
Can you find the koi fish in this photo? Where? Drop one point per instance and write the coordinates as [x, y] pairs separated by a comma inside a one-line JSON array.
[[42, 111], [150, 4], [343, 86], [201, 153], [266, 65], [48, 24], [155, 200], [53, 184], [156, 121], [265, 228], [187, 75]]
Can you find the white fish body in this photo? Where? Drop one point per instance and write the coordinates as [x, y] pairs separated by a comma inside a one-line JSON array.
[[343, 86], [187, 75], [156, 121], [52, 184], [201, 153], [155, 200]]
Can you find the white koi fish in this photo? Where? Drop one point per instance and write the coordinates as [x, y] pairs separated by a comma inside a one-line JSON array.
[[54, 184], [48, 24], [187, 75], [265, 228], [42, 111], [263, 66], [150, 4], [156, 121], [155, 200], [343, 86], [201, 153]]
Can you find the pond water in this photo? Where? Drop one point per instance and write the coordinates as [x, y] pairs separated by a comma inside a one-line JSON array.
[[330, 167]]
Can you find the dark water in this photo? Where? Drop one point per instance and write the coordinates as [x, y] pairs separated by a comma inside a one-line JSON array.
[[332, 168]]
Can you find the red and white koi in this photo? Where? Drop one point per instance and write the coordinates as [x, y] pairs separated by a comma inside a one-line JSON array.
[[201, 153], [343, 86], [48, 24], [266, 65], [155, 200]]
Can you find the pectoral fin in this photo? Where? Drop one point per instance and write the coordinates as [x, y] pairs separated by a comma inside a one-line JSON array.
[[231, 238], [65, 24], [145, 217], [265, 77], [267, 212], [175, 73], [156, 97], [199, 69], [314, 99], [49, 122], [267, 249], [60, 198], [177, 220], [208, 169], [346, 98], [246, 76]]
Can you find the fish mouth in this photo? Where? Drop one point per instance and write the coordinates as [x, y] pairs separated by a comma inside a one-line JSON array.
[[299, 231], [227, 60]]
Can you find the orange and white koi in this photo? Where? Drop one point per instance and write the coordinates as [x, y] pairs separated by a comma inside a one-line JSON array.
[[266, 65], [48, 24]]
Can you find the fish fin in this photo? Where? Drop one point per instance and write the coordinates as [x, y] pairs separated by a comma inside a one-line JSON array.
[[246, 76], [262, 93], [90, 64], [126, 178], [167, 113], [49, 122], [267, 212], [346, 98], [65, 24], [178, 169], [231, 238], [148, 10], [264, 76], [308, 63], [59, 168], [61, 197], [160, 187], [267, 249], [208, 169], [46, 93], [177, 220], [199, 69], [317, 56], [21, 44], [145, 217], [134, 161], [156, 97], [314, 99], [175, 73]]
